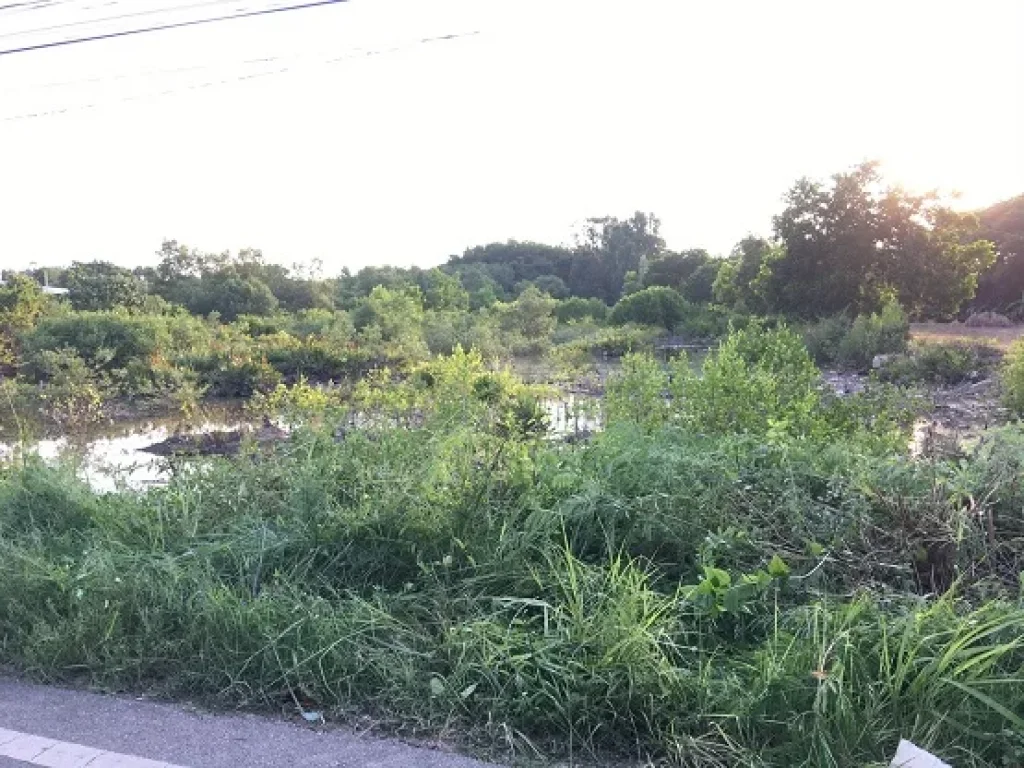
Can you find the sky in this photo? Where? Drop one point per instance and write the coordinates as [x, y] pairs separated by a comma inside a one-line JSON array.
[[351, 134]]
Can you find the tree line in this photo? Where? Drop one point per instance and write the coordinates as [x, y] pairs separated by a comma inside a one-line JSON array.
[[848, 244]]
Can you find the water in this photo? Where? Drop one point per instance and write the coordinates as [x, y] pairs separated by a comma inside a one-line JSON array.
[[573, 414], [111, 456]]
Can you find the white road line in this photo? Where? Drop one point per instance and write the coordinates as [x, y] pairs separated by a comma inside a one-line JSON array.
[[38, 750]]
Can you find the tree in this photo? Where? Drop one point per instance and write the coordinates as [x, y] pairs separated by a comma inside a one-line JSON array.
[[672, 270], [699, 286], [353, 288], [741, 280], [1002, 287], [232, 295], [513, 262], [531, 315], [22, 301], [656, 305], [851, 243], [443, 291], [552, 285], [622, 246], [589, 276], [397, 313], [631, 283], [99, 285], [483, 289], [297, 294]]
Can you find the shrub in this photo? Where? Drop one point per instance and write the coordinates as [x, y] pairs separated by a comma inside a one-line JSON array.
[[618, 341], [317, 360], [227, 375], [130, 349], [637, 392], [837, 340], [705, 322], [943, 364], [757, 382], [879, 333], [578, 308], [72, 392], [106, 339], [656, 305], [825, 337]]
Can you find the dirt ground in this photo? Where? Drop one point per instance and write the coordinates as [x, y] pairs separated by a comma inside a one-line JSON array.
[[947, 332]]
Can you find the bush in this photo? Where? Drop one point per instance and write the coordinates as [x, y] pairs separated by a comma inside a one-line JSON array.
[[879, 333], [656, 305], [757, 382], [616, 342], [942, 364], [577, 308], [839, 341], [107, 340], [113, 341], [637, 393], [227, 375], [706, 323], [825, 337], [73, 391]]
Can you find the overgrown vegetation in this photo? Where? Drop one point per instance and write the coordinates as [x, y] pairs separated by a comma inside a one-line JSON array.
[[855, 343], [1012, 379], [945, 364], [741, 569]]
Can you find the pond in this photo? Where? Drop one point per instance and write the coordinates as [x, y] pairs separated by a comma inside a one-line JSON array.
[[113, 456]]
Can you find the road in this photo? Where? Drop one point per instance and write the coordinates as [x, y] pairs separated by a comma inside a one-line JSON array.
[[47, 726]]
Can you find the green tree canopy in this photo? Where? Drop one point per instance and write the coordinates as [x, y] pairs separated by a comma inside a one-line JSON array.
[[22, 301], [443, 291], [672, 270], [851, 242], [622, 245], [398, 313], [531, 315], [1002, 287], [99, 285]]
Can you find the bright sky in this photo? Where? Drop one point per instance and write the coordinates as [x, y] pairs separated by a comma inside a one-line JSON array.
[[372, 147]]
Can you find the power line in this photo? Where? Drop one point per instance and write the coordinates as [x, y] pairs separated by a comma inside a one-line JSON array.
[[174, 25], [11, 9], [150, 12], [238, 79]]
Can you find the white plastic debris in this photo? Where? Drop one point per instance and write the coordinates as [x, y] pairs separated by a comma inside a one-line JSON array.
[[911, 756]]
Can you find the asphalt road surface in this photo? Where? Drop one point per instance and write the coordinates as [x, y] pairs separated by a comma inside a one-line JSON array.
[[59, 728]]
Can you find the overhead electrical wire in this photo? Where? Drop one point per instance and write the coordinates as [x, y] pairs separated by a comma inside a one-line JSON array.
[[225, 81], [170, 25], [13, 9], [101, 20]]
